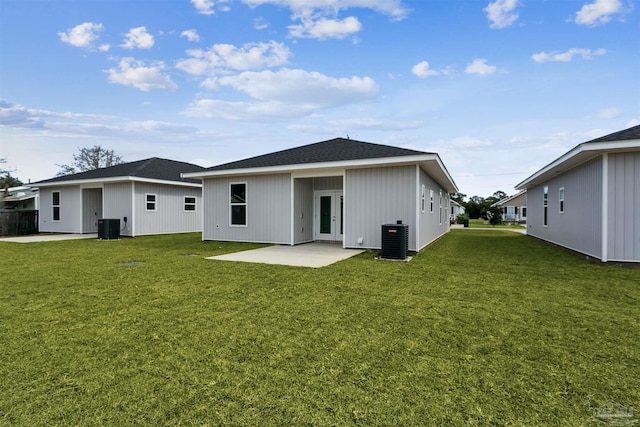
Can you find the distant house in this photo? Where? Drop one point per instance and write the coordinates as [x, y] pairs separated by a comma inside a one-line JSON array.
[[455, 209], [339, 190], [148, 197], [588, 200], [514, 208], [21, 198]]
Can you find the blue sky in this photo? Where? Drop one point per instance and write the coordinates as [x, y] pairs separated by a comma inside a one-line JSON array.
[[497, 88]]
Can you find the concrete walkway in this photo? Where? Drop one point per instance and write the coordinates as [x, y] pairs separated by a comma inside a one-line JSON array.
[[313, 255], [48, 238]]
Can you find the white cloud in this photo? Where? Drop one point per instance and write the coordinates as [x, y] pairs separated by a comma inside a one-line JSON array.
[[374, 124], [324, 28], [260, 24], [135, 73], [423, 70], [598, 12], [480, 66], [502, 13], [283, 94], [204, 7], [393, 8], [82, 35], [138, 38], [632, 123], [222, 57], [609, 113], [302, 87], [191, 35], [567, 56]]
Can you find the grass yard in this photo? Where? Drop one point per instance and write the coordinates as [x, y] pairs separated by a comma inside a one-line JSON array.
[[480, 223], [481, 328]]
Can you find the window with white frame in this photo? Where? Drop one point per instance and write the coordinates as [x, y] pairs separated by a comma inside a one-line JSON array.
[[423, 197], [440, 206], [151, 202], [55, 203], [238, 203], [545, 205], [561, 199], [189, 204], [430, 201]]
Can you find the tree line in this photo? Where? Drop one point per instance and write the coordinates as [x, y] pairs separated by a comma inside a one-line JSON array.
[[480, 207]]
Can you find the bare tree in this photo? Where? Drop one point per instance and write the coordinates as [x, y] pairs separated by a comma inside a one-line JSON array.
[[88, 159]]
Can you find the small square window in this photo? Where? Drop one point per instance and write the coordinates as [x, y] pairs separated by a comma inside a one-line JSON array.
[[189, 204], [150, 202]]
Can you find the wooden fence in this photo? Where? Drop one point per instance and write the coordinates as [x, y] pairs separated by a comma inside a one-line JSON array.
[[18, 223]]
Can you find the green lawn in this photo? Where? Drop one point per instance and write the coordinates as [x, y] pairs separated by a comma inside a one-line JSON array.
[[481, 328], [479, 223]]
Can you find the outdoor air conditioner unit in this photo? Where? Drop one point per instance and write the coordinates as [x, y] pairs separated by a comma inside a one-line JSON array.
[[108, 229], [395, 241]]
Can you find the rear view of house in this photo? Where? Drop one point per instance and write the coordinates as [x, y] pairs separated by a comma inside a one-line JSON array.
[[588, 200], [339, 190], [148, 197]]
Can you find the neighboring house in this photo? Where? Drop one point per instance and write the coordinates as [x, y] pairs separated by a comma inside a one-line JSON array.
[[514, 208], [588, 200], [339, 190], [19, 199], [148, 197], [455, 210]]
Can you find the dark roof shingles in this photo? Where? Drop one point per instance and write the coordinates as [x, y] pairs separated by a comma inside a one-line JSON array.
[[333, 150], [153, 168], [623, 135]]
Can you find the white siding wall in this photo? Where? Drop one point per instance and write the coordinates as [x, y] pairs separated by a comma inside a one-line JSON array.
[[303, 210], [70, 210], [170, 216], [268, 209], [378, 196], [624, 207], [118, 204], [432, 225], [580, 226]]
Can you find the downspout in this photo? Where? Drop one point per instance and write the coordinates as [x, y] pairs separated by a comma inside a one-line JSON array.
[[605, 207]]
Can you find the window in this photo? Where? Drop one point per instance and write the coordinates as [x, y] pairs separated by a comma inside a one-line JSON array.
[[423, 196], [238, 203], [561, 199], [545, 206], [440, 206], [431, 201], [55, 202], [151, 202], [524, 212], [189, 204]]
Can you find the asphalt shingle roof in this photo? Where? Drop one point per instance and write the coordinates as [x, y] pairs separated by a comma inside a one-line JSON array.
[[153, 168], [333, 150], [623, 135]]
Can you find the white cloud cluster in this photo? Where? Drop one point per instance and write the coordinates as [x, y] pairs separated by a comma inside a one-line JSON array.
[[206, 7], [502, 13], [83, 35], [597, 13], [423, 70], [324, 28], [191, 35], [319, 18], [285, 93], [479, 66], [567, 56], [131, 72], [138, 38], [223, 57]]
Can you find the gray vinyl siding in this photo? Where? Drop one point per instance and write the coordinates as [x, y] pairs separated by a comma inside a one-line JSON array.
[[169, 216], [431, 227], [268, 209], [580, 226], [118, 204], [327, 183], [623, 218], [303, 210], [70, 210], [91, 209], [378, 196]]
